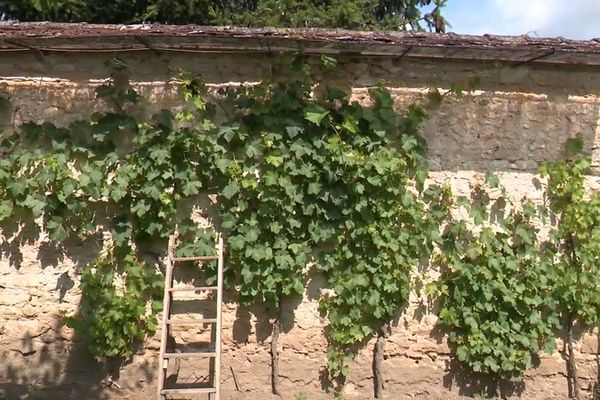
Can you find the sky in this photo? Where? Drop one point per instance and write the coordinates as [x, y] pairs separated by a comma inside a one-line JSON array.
[[572, 19]]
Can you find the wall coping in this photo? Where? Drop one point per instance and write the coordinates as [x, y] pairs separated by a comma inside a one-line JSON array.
[[92, 38]]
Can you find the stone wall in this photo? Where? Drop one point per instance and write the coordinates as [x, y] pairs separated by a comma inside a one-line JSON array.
[[520, 117]]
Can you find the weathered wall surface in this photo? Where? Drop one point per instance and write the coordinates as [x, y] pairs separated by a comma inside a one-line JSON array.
[[521, 117]]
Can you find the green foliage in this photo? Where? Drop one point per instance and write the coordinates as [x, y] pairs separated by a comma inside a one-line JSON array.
[[575, 244], [576, 238], [114, 317], [114, 173], [384, 237], [114, 11], [292, 171], [298, 175], [305, 178], [349, 14], [108, 168], [496, 294], [506, 287], [352, 14], [304, 174], [198, 241]]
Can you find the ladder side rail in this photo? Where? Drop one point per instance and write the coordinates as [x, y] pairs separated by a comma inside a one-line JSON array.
[[166, 316], [220, 267]]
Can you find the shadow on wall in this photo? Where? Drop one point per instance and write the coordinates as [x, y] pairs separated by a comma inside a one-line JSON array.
[[473, 385], [22, 231], [263, 327], [42, 360], [49, 366], [70, 373]]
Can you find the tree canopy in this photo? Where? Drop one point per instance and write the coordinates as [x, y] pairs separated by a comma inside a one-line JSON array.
[[350, 14]]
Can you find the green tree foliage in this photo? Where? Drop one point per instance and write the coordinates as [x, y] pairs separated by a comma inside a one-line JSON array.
[[351, 14]]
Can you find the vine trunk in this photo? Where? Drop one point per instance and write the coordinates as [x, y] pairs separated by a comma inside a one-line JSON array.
[[571, 364], [274, 354], [378, 361]]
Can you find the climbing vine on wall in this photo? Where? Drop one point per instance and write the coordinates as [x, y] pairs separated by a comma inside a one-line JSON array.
[[298, 172], [496, 299], [387, 234], [115, 320], [306, 180], [110, 173], [575, 248], [514, 273], [308, 173]]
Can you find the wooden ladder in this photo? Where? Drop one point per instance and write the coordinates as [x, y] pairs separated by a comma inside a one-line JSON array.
[[215, 374]]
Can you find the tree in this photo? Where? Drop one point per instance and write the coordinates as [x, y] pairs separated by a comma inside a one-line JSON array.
[[350, 14]]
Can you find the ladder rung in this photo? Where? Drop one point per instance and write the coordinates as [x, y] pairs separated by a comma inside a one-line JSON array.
[[189, 390], [191, 321], [189, 355], [194, 289], [196, 258]]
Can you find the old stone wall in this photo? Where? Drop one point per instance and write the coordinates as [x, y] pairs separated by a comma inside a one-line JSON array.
[[520, 117]]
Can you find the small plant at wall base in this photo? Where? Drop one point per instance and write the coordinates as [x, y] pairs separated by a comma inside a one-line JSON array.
[[114, 320]]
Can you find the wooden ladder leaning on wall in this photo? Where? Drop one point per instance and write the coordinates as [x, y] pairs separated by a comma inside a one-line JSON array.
[[213, 391]]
